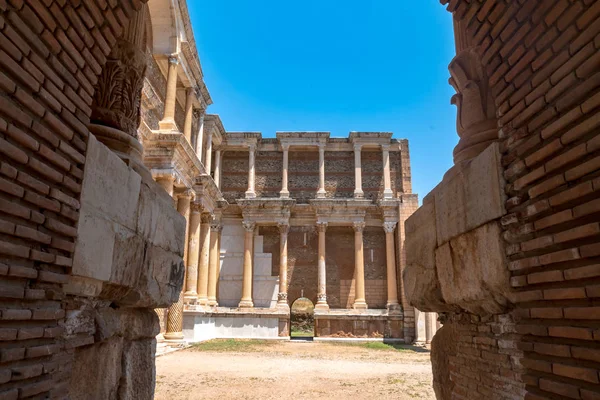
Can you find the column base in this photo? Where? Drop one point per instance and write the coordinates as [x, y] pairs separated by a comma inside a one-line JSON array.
[[282, 306], [388, 194], [212, 303], [284, 194], [360, 305], [321, 194], [246, 304], [393, 308], [323, 306], [167, 125], [359, 194], [190, 297], [202, 301], [250, 195], [174, 337]]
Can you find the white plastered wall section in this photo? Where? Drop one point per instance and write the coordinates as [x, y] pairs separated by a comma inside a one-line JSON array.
[[264, 286]]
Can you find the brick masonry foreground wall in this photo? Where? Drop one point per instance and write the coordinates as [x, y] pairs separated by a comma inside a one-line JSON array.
[[51, 52], [543, 62]]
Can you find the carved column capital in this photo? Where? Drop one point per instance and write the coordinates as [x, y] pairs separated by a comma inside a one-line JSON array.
[[187, 193], [249, 226], [196, 207], [359, 226], [385, 147], [389, 227], [173, 59], [283, 227], [206, 218], [357, 146], [216, 226], [322, 226]]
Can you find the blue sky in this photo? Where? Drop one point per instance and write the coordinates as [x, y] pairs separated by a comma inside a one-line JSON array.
[[337, 66]]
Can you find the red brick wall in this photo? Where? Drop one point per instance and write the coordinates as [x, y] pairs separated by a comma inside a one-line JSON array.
[[543, 62], [50, 54]]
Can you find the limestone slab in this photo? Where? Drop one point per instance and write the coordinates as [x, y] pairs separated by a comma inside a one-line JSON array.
[[473, 272]]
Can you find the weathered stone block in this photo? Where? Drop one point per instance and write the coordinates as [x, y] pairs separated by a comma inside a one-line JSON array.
[[101, 381], [471, 196], [137, 381], [94, 247], [473, 273], [109, 185]]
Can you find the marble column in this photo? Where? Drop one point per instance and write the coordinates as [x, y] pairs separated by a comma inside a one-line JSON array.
[[358, 192], [217, 176], [246, 301], [387, 179], [321, 194], [390, 251], [208, 156], [174, 330], [322, 269], [203, 261], [359, 269], [200, 138], [189, 114], [250, 193], [191, 293], [168, 121], [282, 297], [285, 193], [430, 326], [215, 258]]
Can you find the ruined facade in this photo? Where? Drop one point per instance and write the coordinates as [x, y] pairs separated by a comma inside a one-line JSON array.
[[506, 246], [302, 214]]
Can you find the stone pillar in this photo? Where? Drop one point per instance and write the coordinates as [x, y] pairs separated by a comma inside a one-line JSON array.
[[175, 317], [359, 299], [284, 174], [200, 138], [191, 293], [217, 177], [168, 121], [358, 192], [430, 326], [282, 297], [115, 115], [203, 261], [189, 114], [250, 194], [390, 251], [215, 253], [246, 301], [321, 194], [322, 269], [420, 327], [387, 179], [208, 158]]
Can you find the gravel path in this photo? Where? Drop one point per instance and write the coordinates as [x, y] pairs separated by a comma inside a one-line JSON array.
[[292, 370]]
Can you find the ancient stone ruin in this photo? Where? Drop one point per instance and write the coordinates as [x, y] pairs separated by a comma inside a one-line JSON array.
[[506, 247], [128, 214]]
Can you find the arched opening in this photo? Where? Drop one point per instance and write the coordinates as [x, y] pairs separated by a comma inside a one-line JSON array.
[[302, 319]]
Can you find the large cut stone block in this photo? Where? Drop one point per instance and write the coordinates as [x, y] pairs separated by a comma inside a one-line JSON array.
[[472, 196], [473, 272], [158, 221], [109, 185], [102, 381], [420, 281], [94, 248], [137, 382]]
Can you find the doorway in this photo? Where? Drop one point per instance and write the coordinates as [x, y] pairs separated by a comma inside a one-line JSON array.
[[302, 319]]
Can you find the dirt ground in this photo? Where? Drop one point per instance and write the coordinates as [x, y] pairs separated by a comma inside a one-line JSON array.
[[294, 370]]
